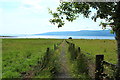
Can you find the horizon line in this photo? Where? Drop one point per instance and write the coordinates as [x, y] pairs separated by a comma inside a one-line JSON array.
[[50, 31]]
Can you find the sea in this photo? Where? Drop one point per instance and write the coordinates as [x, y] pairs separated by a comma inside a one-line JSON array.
[[63, 37]]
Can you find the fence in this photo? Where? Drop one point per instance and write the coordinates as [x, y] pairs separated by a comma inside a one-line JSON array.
[[73, 51], [100, 64], [46, 58], [57, 45], [79, 60], [99, 72]]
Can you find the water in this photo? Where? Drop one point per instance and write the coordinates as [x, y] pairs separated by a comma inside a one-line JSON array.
[[64, 37]]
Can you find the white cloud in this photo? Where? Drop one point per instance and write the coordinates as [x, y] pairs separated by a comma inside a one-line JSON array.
[[32, 2], [9, 0], [1, 17], [32, 5], [32, 17], [24, 19], [38, 6]]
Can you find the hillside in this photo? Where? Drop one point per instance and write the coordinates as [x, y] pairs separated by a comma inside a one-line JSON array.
[[81, 33]]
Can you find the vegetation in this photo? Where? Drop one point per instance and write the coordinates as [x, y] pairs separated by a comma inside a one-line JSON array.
[[93, 47], [79, 66], [86, 57], [28, 58], [21, 57], [108, 11]]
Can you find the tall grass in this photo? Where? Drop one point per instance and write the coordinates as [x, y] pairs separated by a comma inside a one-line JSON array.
[[78, 62], [21, 55]]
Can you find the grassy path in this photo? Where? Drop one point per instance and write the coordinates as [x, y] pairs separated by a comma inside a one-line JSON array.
[[71, 69], [63, 59]]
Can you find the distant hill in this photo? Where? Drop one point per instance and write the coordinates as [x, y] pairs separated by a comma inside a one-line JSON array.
[[81, 33]]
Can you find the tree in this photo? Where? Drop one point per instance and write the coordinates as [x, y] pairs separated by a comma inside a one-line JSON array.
[[109, 11], [70, 38]]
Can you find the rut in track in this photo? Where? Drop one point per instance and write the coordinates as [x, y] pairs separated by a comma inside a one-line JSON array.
[[64, 67]]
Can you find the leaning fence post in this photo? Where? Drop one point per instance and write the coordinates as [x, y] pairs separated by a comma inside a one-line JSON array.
[[99, 67]]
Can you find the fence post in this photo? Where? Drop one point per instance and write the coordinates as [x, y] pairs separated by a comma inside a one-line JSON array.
[[55, 47], [74, 53], [99, 67], [47, 51], [73, 46], [79, 50]]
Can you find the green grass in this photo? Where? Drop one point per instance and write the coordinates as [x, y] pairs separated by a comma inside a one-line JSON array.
[[91, 48], [78, 64], [95, 47], [21, 55]]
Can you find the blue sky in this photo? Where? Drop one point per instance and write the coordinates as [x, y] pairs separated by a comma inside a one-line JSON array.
[[32, 17]]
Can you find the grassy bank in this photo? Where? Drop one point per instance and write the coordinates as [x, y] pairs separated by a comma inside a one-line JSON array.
[[21, 55]]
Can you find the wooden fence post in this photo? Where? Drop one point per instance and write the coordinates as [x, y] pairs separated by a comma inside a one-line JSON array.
[[55, 47], [99, 67], [74, 53], [47, 51], [79, 50], [73, 46]]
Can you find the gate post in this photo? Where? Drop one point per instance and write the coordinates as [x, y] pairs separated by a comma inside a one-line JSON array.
[[99, 67]]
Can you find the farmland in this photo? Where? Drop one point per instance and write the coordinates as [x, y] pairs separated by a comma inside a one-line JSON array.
[[94, 47], [20, 55], [23, 56]]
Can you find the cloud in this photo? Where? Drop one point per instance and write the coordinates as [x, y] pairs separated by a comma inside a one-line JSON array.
[[32, 2], [31, 16], [1, 17], [26, 16], [38, 6], [9, 0], [29, 5], [32, 5]]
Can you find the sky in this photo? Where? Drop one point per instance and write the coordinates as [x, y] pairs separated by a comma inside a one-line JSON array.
[[32, 17]]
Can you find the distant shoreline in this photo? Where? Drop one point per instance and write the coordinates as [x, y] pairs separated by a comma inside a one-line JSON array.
[[7, 36], [61, 37]]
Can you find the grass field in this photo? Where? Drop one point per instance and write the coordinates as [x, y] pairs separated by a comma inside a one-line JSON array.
[[94, 47], [20, 55], [91, 48]]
